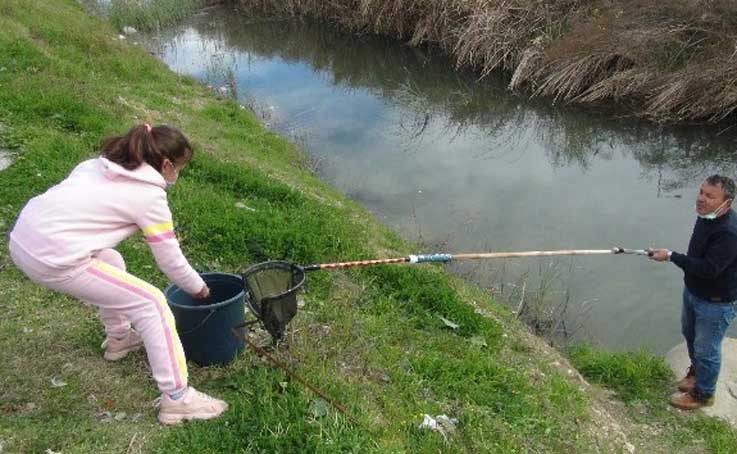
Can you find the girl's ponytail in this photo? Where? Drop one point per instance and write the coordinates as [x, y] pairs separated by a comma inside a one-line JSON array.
[[148, 144]]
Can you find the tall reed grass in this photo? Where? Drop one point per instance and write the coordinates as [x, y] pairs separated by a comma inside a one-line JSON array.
[[150, 14], [670, 62]]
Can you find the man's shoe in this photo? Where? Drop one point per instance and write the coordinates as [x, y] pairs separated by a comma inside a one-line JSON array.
[[688, 382], [116, 349], [690, 400], [192, 405]]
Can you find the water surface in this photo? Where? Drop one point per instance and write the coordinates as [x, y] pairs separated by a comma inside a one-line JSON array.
[[465, 165]]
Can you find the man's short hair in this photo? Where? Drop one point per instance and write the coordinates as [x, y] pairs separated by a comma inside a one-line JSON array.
[[726, 183]]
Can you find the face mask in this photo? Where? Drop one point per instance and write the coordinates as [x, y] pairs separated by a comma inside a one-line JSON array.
[[713, 215], [170, 184]]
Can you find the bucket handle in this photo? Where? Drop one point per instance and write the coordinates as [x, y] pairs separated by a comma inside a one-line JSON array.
[[199, 325]]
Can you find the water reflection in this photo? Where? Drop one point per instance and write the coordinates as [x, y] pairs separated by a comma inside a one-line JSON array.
[[468, 166]]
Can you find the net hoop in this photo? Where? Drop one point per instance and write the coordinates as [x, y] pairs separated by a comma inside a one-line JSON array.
[[257, 302]]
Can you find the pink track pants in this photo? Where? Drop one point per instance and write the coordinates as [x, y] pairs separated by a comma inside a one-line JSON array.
[[122, 300]]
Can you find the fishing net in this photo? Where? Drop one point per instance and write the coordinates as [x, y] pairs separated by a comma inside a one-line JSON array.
[[271, 293]]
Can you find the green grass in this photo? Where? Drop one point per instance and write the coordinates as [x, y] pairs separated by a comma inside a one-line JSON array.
[[633, 375], [644, 381], [371, 338]]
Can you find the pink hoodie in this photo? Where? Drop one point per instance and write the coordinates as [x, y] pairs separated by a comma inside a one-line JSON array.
[[96, 207]]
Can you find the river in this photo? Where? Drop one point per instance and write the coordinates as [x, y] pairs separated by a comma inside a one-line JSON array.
[[464, 165]]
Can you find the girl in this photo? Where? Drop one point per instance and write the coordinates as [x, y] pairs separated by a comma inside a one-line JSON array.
[[63, 240]]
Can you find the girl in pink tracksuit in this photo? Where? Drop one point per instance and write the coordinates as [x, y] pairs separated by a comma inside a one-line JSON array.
[[64, 240]]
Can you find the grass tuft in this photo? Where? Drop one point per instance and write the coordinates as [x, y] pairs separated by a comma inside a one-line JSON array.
[[633, 375]]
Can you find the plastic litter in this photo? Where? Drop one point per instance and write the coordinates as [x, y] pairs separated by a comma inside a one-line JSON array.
[[441, 423]]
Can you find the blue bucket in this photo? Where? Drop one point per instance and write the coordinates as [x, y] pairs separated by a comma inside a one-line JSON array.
[[205, 326]]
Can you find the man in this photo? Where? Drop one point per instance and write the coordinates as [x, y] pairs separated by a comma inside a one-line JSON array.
[[710, 293]]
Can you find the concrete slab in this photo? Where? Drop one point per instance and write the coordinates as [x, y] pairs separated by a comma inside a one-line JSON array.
[[725, 405]]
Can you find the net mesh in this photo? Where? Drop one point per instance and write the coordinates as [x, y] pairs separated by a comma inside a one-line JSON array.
[[271, 293]]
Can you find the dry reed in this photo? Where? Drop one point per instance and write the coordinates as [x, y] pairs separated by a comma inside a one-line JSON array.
[[670, 62]]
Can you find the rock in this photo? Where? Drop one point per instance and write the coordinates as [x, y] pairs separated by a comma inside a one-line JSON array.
[[5, 159], [725, 405]]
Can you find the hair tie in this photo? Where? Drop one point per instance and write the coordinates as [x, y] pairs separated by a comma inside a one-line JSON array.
[[148, 127]]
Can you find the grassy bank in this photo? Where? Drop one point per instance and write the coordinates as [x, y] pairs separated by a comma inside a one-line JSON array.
[[638, 379], [669, 61], [373, 338]]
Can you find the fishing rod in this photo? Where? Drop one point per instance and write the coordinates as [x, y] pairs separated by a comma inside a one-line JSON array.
[[271, 289], [445, 258]]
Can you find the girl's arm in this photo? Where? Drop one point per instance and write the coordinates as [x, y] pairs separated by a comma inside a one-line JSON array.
[[158, 230]]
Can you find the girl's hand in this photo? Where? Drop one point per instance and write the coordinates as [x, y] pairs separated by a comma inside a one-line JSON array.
[[203, 293]]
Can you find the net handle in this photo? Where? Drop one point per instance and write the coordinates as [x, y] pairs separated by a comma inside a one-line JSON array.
[[260, 351]]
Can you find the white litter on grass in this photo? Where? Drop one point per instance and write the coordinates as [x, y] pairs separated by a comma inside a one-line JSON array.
[[57, 382], [450, 324], [129, 30], [244, 206], [441, 423], [50, 451]]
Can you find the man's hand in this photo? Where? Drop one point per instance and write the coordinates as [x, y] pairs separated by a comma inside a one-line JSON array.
[[203, 293], [659, 255]]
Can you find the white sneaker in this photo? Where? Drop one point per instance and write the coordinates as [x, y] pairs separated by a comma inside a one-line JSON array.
[[192, 405], [116, 349]]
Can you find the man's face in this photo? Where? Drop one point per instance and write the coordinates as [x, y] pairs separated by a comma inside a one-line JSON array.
[[710, 198]]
